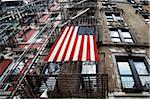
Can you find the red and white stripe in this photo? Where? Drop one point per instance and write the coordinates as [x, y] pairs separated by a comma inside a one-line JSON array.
[[73, 47]]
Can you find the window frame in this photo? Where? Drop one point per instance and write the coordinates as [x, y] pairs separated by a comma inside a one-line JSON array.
[[88, 78], [116, 30], [113, 16], [120, 31], [51, 68], [136, 77]]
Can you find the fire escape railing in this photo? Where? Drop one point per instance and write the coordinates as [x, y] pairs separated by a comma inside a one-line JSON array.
[[65, 85]]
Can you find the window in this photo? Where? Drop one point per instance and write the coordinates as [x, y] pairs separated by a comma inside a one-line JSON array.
[[113, 17], [88, 78], [114, 34], [126, 35], [52, 68], [49, 83], [89, 82], [54, 15], [134, 73], [120, 35], [108, 4], [146, 18], [137, 7], [88, 68]]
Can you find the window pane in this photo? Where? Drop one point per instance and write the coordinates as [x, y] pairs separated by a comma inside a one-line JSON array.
[[127, 82], [88, 68], [114, 34], [92, 80], [141, 68], [52, 68], [145, 80], [128, 40], [124, 68], [126, 34], [50, 84], [109, 20], [110, 17], [118, 18], [116, 39]]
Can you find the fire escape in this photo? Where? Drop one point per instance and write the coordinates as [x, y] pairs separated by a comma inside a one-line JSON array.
[[58, 79]]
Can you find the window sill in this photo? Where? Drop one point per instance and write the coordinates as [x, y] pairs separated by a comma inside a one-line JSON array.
[[131, 90], [123, 94]]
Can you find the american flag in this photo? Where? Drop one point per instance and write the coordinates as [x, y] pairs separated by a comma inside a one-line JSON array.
[[74, 44]]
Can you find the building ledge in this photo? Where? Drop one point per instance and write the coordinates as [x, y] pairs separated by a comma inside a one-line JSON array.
[[123, 94]]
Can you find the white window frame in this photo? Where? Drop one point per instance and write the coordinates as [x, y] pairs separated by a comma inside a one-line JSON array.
[[121, 37]]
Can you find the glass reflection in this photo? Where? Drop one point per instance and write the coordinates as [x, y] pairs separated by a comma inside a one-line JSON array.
[[145, 80], [127, 82], [128, 40], [141, 68], [124, 68], [126, 35], [116, 39], [114, 34]]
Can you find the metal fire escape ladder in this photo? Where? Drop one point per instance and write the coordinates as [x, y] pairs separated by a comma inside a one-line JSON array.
[[22, 79], [32, 62]]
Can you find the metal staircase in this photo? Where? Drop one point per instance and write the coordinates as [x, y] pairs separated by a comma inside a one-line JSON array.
[[28, 85]]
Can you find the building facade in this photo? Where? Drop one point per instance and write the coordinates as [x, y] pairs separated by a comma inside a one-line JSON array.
[[76, 49]]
